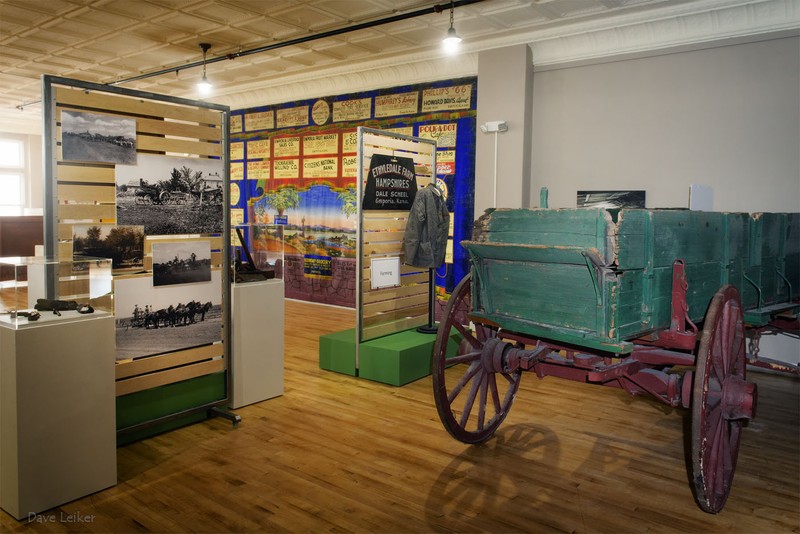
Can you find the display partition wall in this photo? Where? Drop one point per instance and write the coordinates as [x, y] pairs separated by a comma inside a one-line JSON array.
[[144, 179], [390, 307]]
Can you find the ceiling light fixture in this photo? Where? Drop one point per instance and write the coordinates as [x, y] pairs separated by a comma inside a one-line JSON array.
[[204, 86], [452, 39]]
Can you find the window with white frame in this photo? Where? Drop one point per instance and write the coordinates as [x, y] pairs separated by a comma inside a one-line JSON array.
[[12, 176]]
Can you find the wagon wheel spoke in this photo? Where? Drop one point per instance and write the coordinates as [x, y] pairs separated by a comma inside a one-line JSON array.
[[470, 400], [473, 370], [721, 400]]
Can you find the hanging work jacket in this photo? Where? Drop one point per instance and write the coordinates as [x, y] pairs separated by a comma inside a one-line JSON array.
[[425, 238]]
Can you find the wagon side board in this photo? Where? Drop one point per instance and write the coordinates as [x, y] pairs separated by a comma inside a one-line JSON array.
[[599, 278]]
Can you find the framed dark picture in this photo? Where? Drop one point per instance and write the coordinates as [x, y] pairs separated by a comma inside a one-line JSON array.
[[95, 137], [611, 199], [123, 244], [181, 262]]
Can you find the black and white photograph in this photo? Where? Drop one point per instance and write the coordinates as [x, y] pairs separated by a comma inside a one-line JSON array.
[[98, 138], [181, 262], [170, 195], [154, 320], [611, 199], [123, 244]]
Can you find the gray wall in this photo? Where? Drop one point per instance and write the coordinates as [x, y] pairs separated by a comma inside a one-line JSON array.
[[726, 117]]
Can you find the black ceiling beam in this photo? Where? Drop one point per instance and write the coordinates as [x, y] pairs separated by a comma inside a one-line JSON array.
[[438, 8]]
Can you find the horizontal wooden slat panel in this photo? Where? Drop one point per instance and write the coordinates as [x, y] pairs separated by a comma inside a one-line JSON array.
[[395, 304], [170, 376], [109, 102], [421, 161], [133, 275], [404, 269], [411, 279], [87, 193], [80, 173], [179, 129], [380, 215], [94, 212], [398, 144], [388, 248], [73, 288], [389, 328], [160, 144], [391, 316], [64, 231], [382, 237], [393, 293], [141, 366], [374, 224], [216, 241]]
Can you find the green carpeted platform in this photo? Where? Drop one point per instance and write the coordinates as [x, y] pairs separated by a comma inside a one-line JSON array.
[[395, 359]]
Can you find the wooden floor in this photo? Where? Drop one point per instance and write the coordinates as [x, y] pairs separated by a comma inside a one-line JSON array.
[[341, 454]]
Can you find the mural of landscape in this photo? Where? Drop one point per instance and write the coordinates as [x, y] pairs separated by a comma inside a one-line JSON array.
[[333, 232]]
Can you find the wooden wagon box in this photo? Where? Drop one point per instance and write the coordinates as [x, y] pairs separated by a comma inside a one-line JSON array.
[[600, 277]]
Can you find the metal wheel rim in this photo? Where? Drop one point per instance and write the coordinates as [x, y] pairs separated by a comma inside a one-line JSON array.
[[476, 383], [715, 440]]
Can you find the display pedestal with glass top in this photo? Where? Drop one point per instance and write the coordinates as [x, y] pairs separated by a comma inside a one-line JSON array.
[[57, 397]]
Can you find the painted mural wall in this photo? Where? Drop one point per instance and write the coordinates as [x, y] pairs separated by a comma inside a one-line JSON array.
[[294, 169]]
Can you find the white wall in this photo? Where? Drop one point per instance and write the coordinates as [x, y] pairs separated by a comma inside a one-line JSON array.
[[728, 117]]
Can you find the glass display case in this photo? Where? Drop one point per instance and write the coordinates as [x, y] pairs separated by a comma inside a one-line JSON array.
[[257, 252], [37, 290]]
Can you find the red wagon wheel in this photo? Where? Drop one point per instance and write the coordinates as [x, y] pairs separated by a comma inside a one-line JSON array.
[[721, 400], [472, 391]]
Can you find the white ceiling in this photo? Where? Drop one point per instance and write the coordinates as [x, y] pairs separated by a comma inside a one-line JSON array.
[[105, 41]]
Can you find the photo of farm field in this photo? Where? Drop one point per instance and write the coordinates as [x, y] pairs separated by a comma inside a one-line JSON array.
[[170, 196], [97, 137]]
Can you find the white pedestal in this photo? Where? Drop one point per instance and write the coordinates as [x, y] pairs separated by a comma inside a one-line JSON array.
[[57, 412], [257, 327]]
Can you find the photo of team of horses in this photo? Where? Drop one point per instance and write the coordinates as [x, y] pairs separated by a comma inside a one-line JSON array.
[[181, 262], [152, 320], [95, 137], [180, 315]]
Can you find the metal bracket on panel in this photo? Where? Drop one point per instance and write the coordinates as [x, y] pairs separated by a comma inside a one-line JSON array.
[[225, 414]]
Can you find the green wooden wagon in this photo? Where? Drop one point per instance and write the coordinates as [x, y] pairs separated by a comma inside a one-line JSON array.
[[655, 302]]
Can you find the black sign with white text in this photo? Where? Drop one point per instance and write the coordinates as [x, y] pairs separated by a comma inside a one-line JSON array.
[[391, 183]]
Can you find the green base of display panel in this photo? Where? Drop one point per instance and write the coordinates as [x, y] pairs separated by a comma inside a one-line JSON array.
[[337, 352], [396, 359], [151, 404]]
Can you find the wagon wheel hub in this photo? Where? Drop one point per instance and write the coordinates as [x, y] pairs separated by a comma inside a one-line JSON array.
[[738, 398], [498, 356]]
